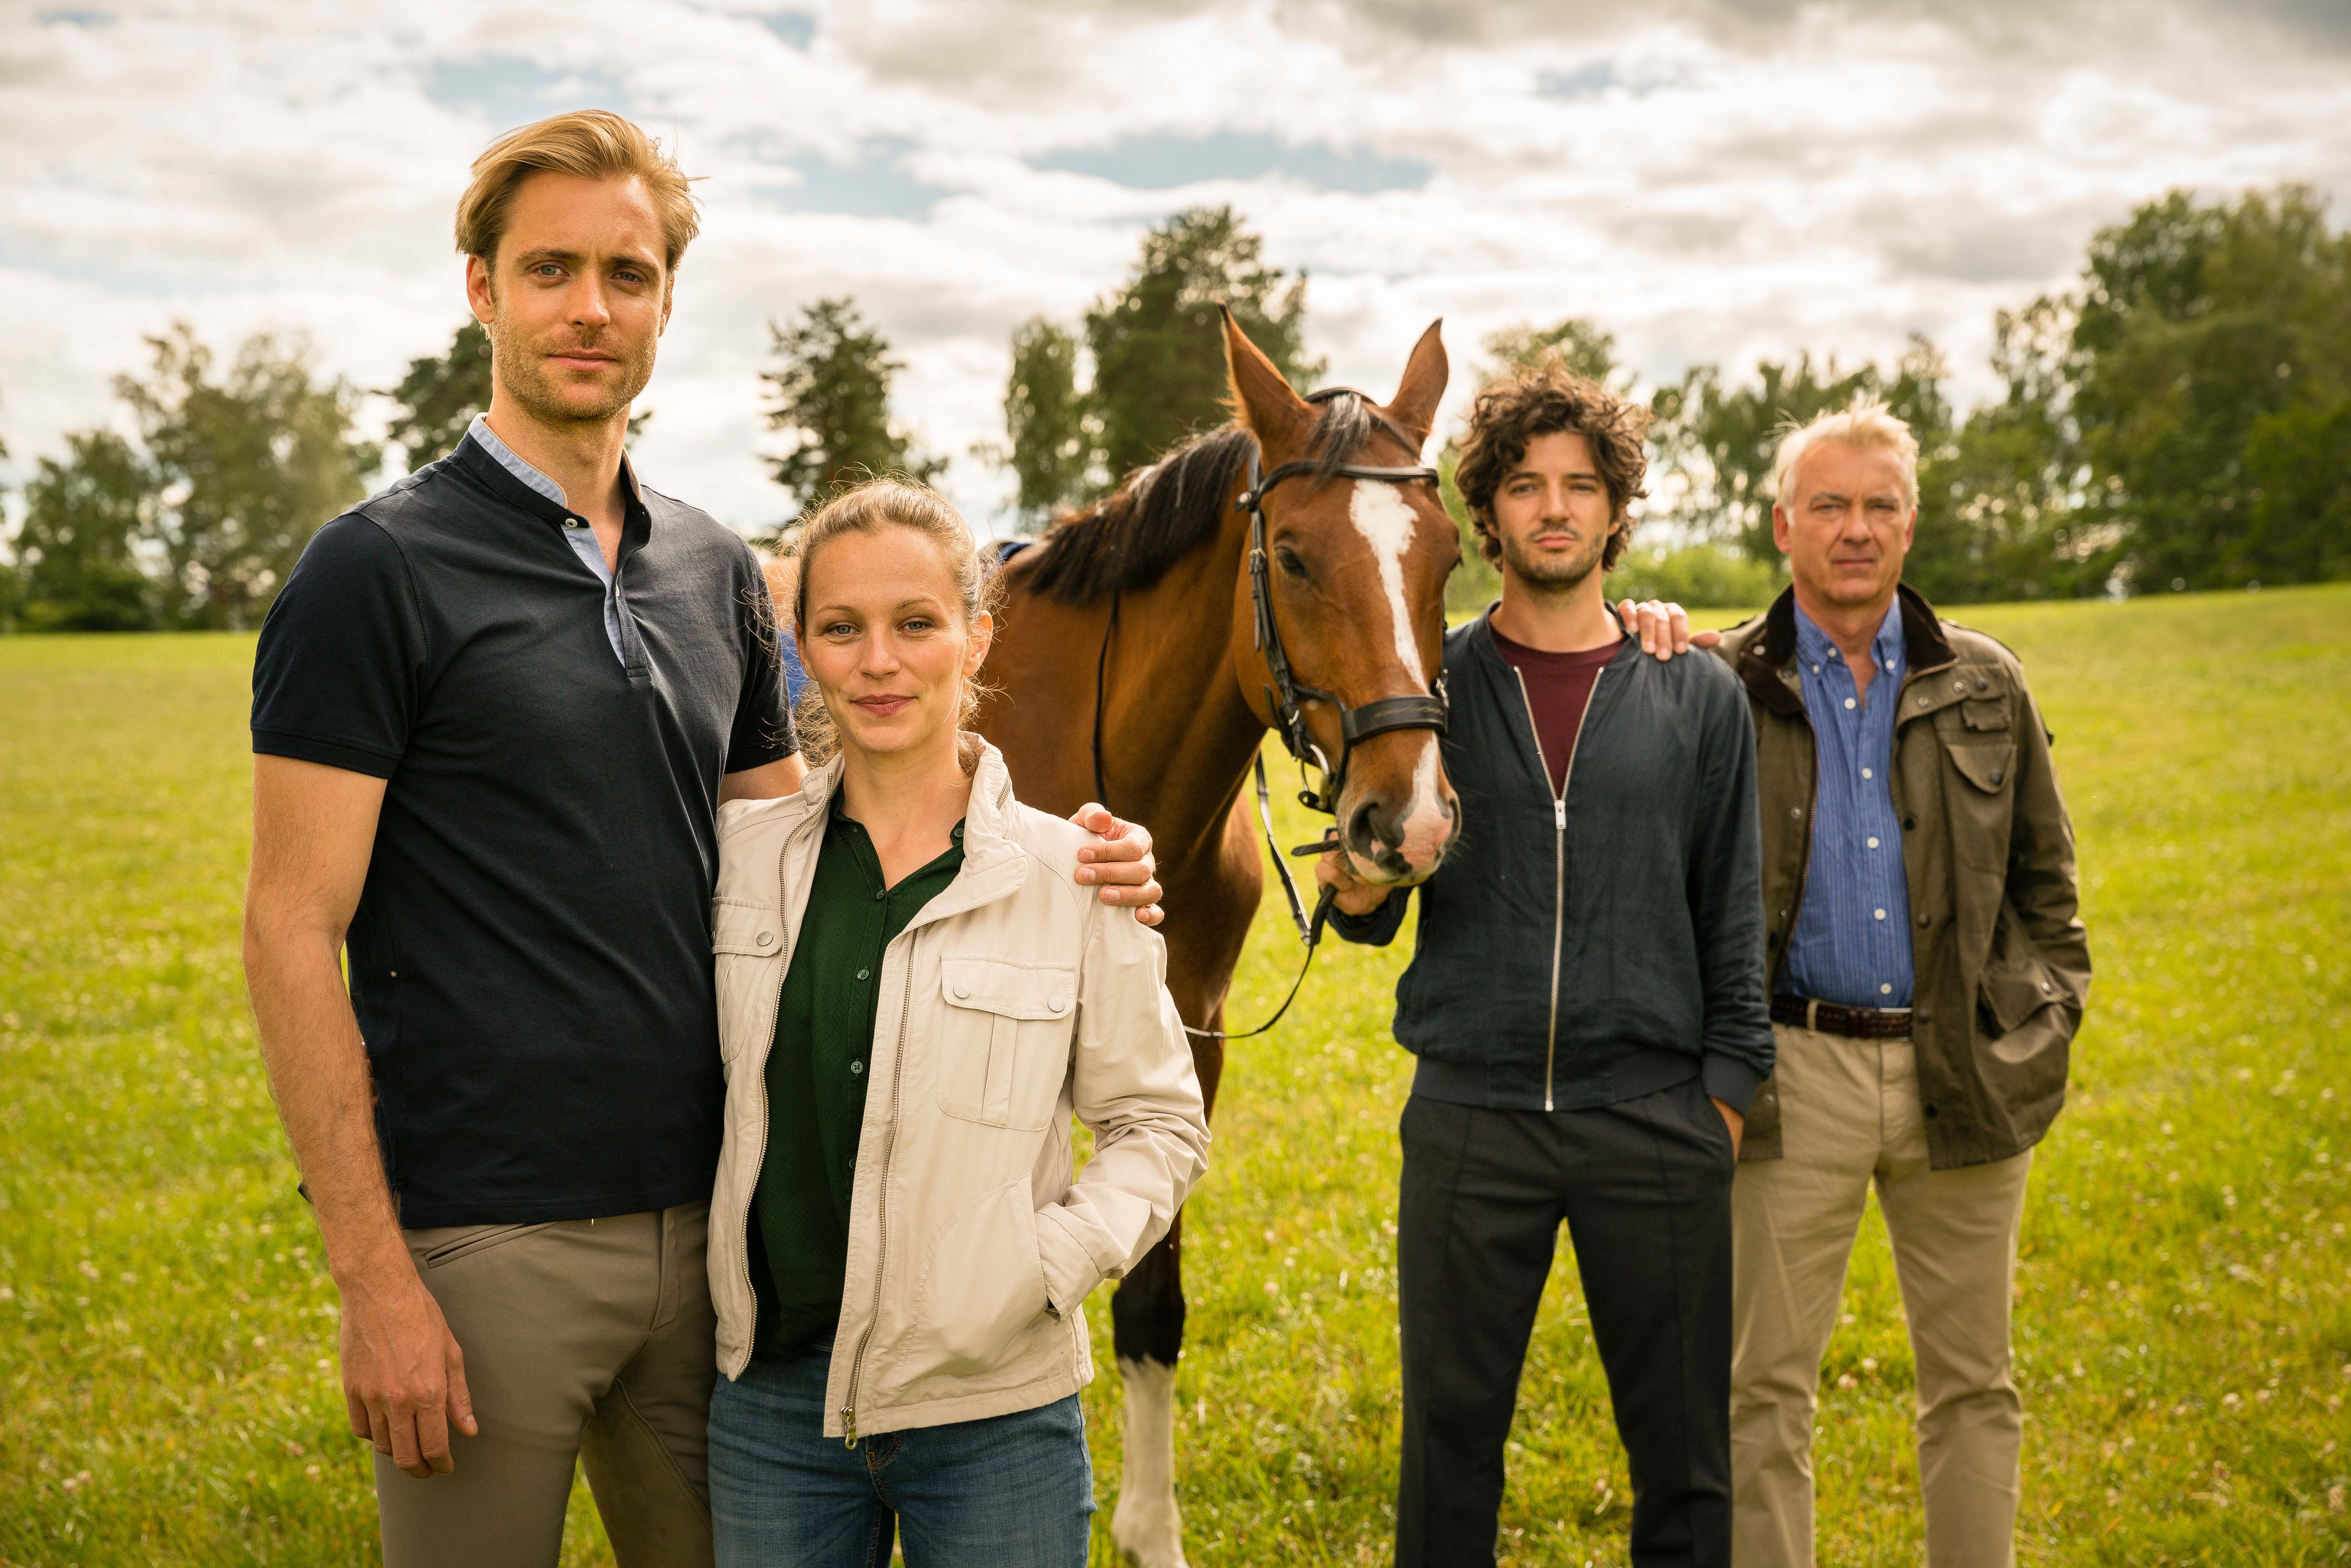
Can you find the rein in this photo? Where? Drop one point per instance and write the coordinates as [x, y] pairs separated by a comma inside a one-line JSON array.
[[1286, 700]]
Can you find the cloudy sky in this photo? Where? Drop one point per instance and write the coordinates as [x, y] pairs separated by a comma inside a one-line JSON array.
[[1709, 179]]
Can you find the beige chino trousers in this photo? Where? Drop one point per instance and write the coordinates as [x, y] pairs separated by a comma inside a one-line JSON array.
[[585, 1340], [1850, 1117]]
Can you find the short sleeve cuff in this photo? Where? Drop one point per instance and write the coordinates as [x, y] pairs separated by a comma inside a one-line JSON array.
[[773, 751], [1730, 1080], [328, 753]]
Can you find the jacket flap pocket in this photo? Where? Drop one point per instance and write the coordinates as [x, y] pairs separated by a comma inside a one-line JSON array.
[[2013, 992], [1984, 713], [1007, 988], [747, 929], [1986, 764]]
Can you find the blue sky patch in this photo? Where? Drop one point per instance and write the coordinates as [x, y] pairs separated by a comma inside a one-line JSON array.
[[877, 184], [1591, 81], [508, 91], [1161, 161], [794, 28]]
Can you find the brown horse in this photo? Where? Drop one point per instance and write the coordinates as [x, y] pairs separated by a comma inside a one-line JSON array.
[[1142, 602]]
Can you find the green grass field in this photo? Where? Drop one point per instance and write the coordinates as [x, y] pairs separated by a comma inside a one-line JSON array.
[[2184, 1325]]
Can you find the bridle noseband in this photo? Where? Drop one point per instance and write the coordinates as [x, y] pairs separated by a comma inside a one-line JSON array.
[[1286, 699]]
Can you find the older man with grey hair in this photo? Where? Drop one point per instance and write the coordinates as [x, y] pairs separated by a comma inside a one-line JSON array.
[[1928, 975]]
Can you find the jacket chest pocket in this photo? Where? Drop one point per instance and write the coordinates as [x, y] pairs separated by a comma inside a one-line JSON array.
[[745, 942], [1006, 1046], [1979, 739]]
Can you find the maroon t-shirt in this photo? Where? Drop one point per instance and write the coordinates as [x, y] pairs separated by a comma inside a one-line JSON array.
[[1558, 687]]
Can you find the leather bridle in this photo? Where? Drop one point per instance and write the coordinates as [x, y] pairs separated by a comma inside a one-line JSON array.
[[1286, 699]]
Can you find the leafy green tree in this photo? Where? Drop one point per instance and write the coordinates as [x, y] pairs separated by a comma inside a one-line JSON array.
[[1157, 353], [247, 464], [1157, 344], [1576, 341], [2213, 341], [1701, 575], [2298, 473], [440, 395], [1053, 434], [1715, 442], [2001, 507], [76, 551], [829, 395]]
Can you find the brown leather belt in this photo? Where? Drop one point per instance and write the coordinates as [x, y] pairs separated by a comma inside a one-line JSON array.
[[1829, 1018]]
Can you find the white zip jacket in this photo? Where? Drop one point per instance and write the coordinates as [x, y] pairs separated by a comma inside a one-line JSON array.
[[1012, 1000]]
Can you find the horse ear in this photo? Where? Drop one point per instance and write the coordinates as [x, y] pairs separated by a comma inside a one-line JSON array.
[[1423, 387], [1262, 396]]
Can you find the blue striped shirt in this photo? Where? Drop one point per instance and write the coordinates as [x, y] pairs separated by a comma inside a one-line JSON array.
[[1851, 940]]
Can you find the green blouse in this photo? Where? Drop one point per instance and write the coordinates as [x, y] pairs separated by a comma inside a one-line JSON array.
[[816, 1074]]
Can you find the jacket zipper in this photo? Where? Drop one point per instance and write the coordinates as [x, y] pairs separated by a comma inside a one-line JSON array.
[[1559, 853], [882, 1216]]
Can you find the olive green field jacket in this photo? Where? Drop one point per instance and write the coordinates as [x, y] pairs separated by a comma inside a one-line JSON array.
[[2001, 959]]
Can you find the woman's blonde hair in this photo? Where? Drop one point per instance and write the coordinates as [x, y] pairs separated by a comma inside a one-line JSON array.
[[868, 508], [593, 143]]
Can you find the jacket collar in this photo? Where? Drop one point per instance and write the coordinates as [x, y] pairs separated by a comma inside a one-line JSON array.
[[1481, 635], [1767, 663], [994, 861]]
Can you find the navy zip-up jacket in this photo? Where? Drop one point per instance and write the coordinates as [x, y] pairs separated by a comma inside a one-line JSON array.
[[1588, 948]]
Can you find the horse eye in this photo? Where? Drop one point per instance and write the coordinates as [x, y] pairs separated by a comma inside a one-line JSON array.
[[1290, 561]]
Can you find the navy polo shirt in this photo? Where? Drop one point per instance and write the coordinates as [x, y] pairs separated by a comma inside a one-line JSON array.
[[530, 958]]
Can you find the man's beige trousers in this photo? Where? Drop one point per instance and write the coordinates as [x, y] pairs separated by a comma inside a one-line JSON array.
[[585, 1340], [1850, 1115]]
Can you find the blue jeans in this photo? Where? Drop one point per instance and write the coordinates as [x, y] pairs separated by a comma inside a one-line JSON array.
[[1012, 1492]]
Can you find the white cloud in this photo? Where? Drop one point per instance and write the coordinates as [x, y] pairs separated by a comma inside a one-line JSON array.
[[1710, 178]]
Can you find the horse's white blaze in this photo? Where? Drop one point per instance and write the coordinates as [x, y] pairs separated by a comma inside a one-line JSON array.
[[1147, 1526], [1389, 525]]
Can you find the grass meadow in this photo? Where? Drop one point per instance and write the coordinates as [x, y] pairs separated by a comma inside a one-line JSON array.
[[2183, 1312]]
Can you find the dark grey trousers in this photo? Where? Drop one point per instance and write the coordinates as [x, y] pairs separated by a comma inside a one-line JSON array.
[[1645, 1189]]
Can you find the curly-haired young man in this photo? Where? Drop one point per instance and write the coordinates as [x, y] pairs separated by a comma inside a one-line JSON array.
[[1586, 1000]]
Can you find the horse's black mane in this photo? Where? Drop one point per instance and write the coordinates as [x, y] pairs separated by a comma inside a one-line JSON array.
[[1162, 512]]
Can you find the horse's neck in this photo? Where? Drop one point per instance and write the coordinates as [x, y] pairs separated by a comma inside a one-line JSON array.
[[1176, 719]]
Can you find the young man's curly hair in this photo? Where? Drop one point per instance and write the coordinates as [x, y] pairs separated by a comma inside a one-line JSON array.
[[1549, 400]]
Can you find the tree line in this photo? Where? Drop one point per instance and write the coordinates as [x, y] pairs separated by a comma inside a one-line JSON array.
[[2179, 418]]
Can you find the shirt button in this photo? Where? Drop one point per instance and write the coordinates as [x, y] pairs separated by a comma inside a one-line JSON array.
[[1848, 702], [1057, 1004], [1816, 669], [857, 1067], [1886, 990], [765, 939], [1869, 773], [1873, 843], [880, 894], [1795, 811], [1881, 914], [863, 973], [962, 993]]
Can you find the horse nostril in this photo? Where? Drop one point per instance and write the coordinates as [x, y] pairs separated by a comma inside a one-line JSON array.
[[1362, 830]]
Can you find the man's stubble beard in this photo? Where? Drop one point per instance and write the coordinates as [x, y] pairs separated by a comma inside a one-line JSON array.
[[522, 374], [1548, 576]]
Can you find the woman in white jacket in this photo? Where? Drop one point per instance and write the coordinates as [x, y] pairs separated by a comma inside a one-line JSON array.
[[915, 998]]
